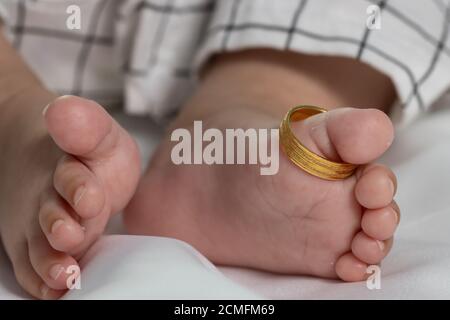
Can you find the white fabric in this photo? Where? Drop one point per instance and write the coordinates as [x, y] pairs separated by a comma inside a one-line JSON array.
[[147, 52], [418, 267], [133, 267], [172, 270]]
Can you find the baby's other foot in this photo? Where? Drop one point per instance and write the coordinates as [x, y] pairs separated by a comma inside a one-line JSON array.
[[58, 191], [291, 222]]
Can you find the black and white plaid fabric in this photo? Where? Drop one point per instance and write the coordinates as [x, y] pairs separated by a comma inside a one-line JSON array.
[[144, 54]]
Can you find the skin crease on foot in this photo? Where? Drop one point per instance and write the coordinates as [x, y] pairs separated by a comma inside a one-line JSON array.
[[291, 222]]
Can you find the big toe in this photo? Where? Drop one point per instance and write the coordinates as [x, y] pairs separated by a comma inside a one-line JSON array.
[[109, 155], [80, 127], [351, 135]]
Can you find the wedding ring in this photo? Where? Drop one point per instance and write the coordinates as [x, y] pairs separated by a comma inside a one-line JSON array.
[[305, 158]]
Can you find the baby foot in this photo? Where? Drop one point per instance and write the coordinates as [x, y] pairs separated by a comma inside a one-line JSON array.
[[57, 196], [291, 222]]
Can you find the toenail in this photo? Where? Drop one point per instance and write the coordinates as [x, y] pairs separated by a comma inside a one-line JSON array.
[[380, 245], [392, 187], [397, 217], [79, 194], [55, 271], [390, 141], [55, 226], [44, 111], [44, 290]]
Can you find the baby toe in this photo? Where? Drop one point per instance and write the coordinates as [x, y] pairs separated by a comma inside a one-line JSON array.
[[350, 268], [380, 224], [52, 266], [78, 185], [62, 231], [376, 187], [370, 250], [28, 279]]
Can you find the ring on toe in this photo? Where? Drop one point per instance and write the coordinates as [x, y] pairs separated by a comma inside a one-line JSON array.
[[305, 158]]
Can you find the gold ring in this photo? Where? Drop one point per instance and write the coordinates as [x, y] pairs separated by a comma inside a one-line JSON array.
[[305, 158]]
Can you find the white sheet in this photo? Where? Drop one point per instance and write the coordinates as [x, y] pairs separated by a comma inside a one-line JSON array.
[[418, 267]]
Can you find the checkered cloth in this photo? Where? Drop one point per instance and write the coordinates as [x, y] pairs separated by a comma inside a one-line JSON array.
[[145, 54]]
